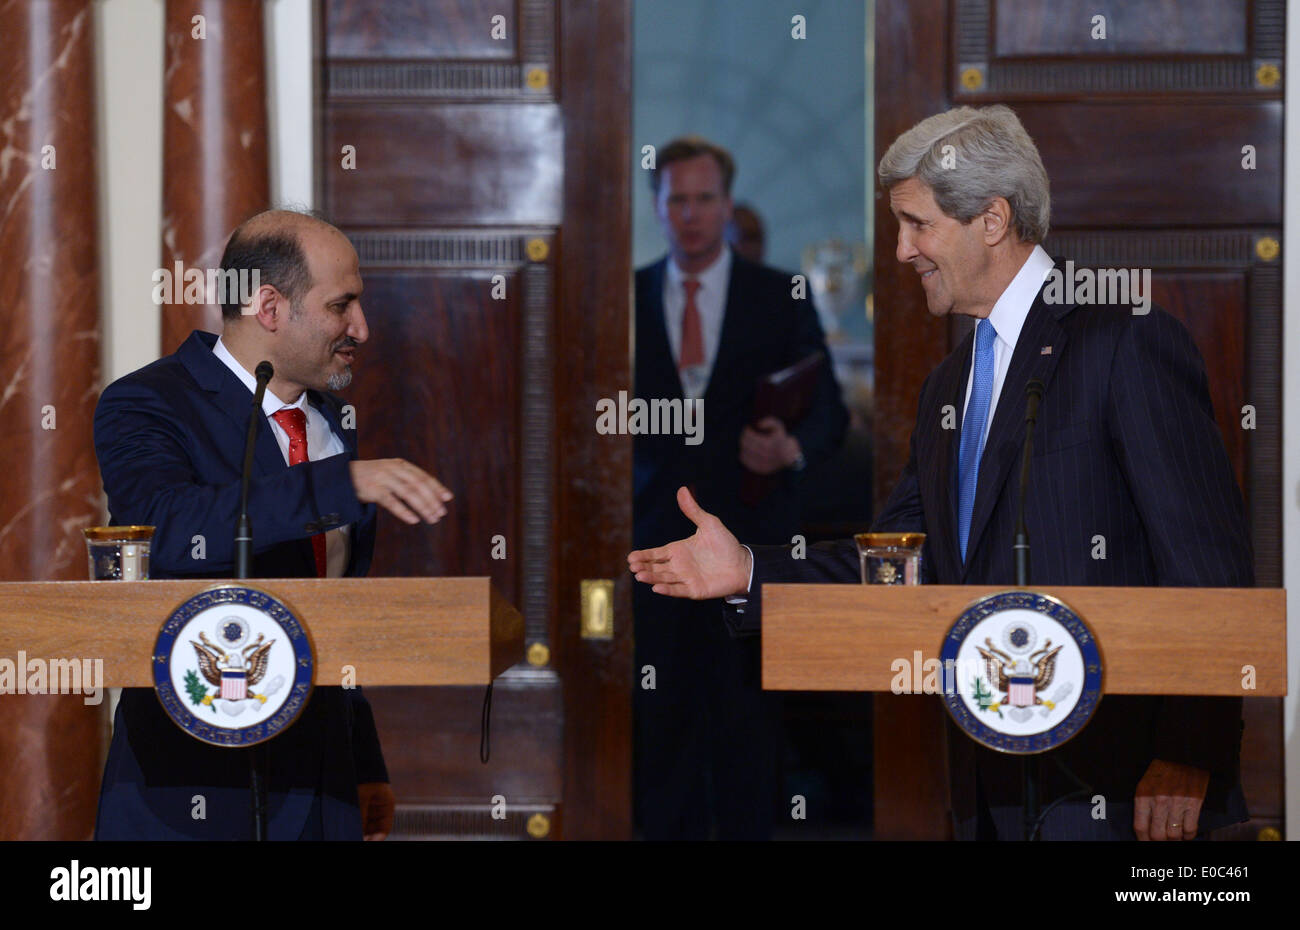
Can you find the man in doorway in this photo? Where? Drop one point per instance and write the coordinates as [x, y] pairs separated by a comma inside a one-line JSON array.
[[709, 325]]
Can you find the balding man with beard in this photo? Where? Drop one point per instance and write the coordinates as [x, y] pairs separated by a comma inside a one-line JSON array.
[[170, 440]]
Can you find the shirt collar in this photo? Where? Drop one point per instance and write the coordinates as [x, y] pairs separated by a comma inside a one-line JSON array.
[[712, 279], [270, 403], [1009, 313]]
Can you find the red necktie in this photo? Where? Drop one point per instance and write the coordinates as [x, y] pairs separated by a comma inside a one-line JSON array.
[[294, 422], [692, 334]]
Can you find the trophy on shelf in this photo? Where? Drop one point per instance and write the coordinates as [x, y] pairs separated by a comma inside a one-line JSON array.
[[837, 278]]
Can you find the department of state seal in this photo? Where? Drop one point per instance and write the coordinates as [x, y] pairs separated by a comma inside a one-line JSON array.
[[1025, 672], [233, 666]]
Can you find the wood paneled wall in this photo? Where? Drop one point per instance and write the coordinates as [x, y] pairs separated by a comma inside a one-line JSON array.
[[488, 206]]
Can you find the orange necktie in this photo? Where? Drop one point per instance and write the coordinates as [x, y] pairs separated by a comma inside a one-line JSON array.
[[692, 333], [294, 422]]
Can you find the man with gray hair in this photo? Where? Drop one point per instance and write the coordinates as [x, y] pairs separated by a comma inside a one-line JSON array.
[[1126, 448]]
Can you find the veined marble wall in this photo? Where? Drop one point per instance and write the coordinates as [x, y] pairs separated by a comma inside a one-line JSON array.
[[129, 50], [49, 371]]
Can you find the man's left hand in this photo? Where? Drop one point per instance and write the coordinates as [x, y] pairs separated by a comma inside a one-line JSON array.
[[1168, 801], [769, 448], [377, 804]]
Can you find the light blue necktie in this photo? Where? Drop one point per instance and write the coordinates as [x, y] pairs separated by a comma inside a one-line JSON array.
[[972, 429]]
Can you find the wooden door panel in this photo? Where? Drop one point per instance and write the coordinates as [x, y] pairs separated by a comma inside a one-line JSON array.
[[1031, 28], [425, 324], [428, 739], [470, 170], [427, 745], [1212, 305], [1024, 49], [1184, 174], [411, 164], [449, 29]]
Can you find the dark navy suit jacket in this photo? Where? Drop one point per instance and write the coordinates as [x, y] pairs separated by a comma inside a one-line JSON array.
[[1126, 448], [764, 329], [170, 441], [715, 685]]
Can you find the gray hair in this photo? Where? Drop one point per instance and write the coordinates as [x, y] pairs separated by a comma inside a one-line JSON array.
[[991, 156]]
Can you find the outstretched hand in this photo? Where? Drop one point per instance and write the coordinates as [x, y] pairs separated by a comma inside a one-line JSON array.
[[711, 563], [405, 490]]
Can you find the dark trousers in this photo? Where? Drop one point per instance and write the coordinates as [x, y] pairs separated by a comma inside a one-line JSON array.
[[1072, 820], [706, 734], [1097, 813], [314, 829], [1075, 819]]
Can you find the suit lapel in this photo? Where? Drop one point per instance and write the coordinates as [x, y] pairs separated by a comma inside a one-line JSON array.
[[732, 339], [1006, 434], [955, 389], [657, 369], [363, 530], [267, 455], [232, 398], [938, 478], [331, 415]]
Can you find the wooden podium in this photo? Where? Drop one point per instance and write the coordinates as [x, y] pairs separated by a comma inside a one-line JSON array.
[[846, 637], [392, 631]]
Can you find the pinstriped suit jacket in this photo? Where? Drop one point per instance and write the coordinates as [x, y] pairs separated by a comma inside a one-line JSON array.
[[1126, 448]]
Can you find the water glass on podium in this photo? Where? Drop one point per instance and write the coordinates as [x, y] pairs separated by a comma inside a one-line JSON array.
[[118, 553], [890, 558]]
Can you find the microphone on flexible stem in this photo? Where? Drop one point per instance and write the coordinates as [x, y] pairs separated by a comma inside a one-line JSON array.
[[1028, 764], [1033, 394], [243, 566], [243, 527]]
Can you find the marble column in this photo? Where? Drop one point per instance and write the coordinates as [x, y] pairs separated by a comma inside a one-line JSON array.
[[49, 382], [215, 169]]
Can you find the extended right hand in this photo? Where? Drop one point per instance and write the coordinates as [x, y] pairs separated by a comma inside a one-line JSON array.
[[406, 491], [711, 563]]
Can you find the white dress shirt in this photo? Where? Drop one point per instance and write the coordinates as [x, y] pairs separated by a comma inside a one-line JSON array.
[[711, 301], [322, 442], [1008, 318]]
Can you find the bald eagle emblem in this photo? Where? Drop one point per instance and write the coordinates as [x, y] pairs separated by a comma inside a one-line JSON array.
[[1026, 672], [232, 668], [1020, 679]]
